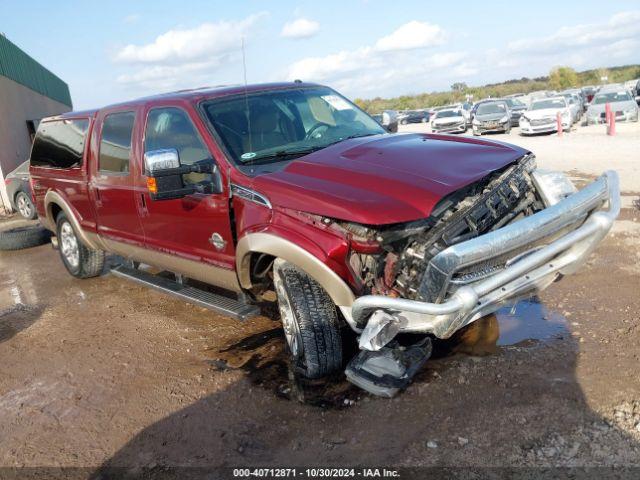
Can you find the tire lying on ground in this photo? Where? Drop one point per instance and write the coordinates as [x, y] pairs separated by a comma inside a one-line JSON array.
[[19, 235]]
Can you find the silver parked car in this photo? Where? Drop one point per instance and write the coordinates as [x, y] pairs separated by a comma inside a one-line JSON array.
[[19, 191], [621, 101], [492, 117]]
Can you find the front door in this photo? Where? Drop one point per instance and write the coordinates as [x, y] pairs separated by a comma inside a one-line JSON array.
[[196, 227], [113, 178]]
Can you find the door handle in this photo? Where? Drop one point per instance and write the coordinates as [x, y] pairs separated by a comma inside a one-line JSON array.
[[98, 197], [144, 211]]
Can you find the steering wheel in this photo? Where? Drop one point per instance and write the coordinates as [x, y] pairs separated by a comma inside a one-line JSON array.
[[312, 130]]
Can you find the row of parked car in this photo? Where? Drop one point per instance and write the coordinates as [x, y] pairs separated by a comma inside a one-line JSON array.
[[533, 113]]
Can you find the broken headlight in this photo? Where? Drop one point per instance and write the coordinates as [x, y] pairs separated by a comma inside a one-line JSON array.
[[552, 186]]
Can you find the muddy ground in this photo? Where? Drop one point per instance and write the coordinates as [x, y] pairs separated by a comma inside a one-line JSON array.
[[104, 372]]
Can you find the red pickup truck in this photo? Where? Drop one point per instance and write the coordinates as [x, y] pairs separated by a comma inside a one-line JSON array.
[[291, 188]]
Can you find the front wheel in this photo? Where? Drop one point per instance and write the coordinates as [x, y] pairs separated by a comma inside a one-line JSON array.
[[310, 321], [79, 260]]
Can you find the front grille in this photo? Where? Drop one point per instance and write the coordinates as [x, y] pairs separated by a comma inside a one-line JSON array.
[[536, 122], [509, 198], [448, 124]]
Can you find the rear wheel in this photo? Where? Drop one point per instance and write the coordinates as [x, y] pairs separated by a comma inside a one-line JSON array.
[[79, 260], [310, 321], [25, 206]]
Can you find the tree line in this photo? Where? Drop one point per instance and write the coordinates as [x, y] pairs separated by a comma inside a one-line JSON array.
[[559, 78]]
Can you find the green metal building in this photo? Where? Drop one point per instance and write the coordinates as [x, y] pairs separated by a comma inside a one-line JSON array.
[[28, 92]]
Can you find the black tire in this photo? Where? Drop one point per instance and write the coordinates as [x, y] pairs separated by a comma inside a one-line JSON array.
[[89, 262], [24, 236], [315, 318], [28, 210]]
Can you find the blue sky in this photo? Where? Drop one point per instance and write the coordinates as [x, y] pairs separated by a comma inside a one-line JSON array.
[[111, 51]]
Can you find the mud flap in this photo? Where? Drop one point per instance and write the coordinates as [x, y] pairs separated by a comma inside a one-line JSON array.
[[390, 369]]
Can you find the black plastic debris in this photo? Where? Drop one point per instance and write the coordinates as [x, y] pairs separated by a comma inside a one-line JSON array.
[[387, 371]]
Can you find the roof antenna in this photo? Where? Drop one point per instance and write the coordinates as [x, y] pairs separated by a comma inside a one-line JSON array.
[[246, 96]]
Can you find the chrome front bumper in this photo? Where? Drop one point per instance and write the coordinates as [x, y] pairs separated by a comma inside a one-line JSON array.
[[573, 228]]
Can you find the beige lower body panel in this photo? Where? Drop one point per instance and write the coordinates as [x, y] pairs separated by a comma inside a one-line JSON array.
[[207, 273], [204, 272]]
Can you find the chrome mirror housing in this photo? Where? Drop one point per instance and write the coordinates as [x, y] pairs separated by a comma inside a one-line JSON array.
[[165, 159]]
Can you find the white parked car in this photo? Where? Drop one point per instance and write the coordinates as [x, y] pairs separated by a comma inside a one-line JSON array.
[[541, 117], [449, 121], [575, 106]]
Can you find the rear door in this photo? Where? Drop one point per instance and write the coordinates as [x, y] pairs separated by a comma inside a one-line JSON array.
[[195, 227], [113, 171]]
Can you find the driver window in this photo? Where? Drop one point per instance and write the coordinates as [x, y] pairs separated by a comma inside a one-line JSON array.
[[171, 127]]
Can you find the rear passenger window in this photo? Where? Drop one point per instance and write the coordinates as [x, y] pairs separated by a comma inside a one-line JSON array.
[[115, 142], [59, 144]]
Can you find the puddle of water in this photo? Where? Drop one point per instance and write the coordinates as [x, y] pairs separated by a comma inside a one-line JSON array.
[[526, 323], [265, 359], [529, 320]]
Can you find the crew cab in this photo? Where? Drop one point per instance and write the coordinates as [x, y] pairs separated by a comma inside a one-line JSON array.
[[291, 188]]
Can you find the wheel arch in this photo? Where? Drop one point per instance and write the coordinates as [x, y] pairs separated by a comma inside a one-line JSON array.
[[278, 247], [54, 203]]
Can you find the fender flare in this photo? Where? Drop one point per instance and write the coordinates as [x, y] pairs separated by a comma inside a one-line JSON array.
[[271, 244], [54, 198]]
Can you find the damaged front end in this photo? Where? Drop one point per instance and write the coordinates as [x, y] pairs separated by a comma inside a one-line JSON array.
[[497, 241]]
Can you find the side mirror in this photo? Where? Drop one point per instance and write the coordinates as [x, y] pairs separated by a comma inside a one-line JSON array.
[[638, 99], [165, 179]]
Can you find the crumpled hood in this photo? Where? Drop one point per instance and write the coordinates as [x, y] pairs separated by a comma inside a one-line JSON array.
[[438, 121], [383, 179]]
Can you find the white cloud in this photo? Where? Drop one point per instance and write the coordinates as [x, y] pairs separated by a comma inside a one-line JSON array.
[[395, 64], [182, 57], [183, 45], [412, 35], [300, 28], [622, 26]]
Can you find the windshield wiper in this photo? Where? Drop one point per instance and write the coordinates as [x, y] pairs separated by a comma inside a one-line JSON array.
[[281, 154], [355, 135]]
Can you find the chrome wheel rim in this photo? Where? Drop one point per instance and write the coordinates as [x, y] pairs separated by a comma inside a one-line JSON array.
[[289, 323], [69, 245], [23, 206]]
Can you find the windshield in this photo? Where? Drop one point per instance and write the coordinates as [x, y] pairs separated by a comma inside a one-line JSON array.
[[489, 108], [280, 125], [448, 113], [551, 103], [514, 102], [611, 97]]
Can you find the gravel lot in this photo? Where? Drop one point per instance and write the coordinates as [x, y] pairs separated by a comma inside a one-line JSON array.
[[103, 372]]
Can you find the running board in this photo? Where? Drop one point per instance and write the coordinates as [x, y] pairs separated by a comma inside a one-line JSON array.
[[212, 301]]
